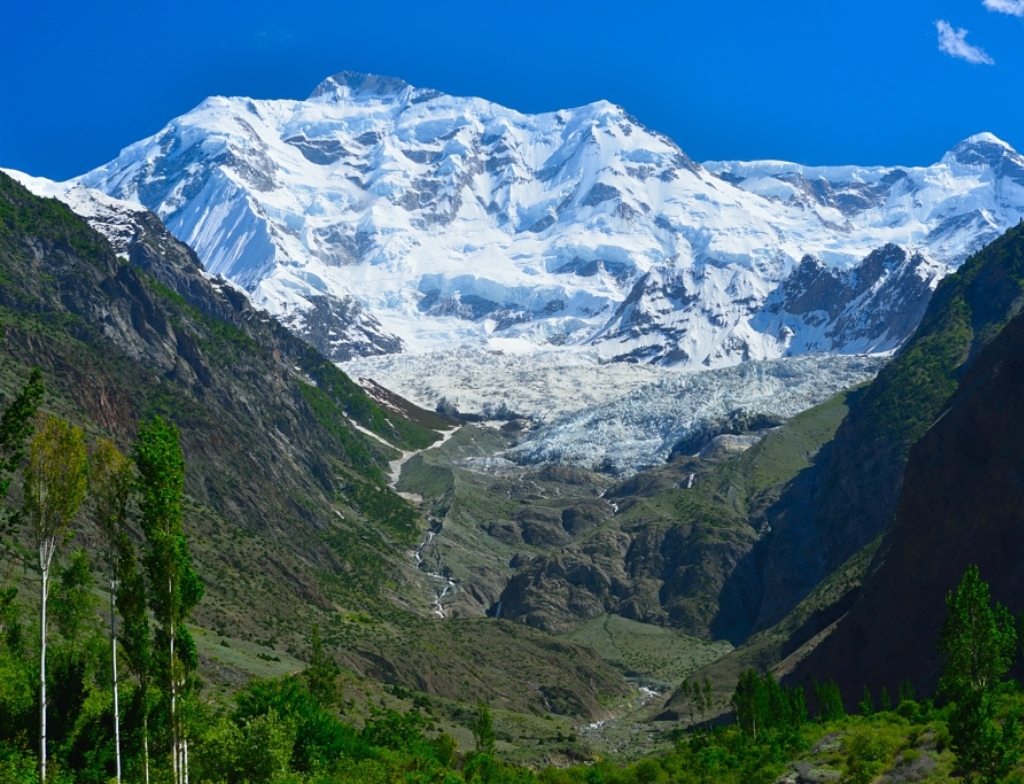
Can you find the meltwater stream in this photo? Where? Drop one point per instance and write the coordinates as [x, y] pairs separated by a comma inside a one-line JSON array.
[[447, 583]]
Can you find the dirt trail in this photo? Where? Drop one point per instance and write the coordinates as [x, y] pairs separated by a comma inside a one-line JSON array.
[[395, 466]]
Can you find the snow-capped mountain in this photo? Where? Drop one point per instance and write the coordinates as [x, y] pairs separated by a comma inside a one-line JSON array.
[[375, 216]]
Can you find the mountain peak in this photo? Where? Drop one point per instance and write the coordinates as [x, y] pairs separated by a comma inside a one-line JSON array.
[[979, 149], [352, 83]]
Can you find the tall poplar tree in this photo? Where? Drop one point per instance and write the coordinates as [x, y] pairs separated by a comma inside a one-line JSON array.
[[174, 588], [55, 485], [110, 475], [134, 636]]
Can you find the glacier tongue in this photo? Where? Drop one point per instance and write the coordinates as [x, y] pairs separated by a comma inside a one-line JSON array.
[[376, 217], [643, 427], [618, 417]]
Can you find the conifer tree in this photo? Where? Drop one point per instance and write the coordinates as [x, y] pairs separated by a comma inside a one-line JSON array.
[[979, 643], [174, 587], [55, 485], [482, 728], [321, 674]]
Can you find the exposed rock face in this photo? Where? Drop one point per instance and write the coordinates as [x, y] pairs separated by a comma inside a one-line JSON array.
[[663, 558], [961, 504], [726, 446], [341, 328], [871, 307]]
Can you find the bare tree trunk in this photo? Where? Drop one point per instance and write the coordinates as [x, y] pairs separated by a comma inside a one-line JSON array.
[[113, 662], [174, 716], [42, 667], [145, 732], [46, 550]]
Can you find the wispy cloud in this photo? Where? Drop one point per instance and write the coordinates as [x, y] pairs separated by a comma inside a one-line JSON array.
[[1012, 7], [953, 42]]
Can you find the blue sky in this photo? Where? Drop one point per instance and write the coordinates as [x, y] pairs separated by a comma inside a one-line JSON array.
[[816, 82]]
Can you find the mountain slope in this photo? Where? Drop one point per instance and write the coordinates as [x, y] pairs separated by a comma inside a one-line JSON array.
[[960, 505], [288, 514], [852, 494], [376, 215], [556, 546]]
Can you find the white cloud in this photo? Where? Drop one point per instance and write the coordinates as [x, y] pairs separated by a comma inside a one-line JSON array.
[[1012, 7], [953, 42]]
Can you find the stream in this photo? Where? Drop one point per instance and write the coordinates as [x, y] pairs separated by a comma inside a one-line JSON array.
[[394, 475], [447, 584]]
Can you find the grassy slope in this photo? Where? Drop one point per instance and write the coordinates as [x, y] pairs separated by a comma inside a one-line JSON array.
[[725, 504], [659, 657], [969, 308]]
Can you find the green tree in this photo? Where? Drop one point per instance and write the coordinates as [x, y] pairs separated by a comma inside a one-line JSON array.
[[829, 700], [73, 599], [110, 480], [885, 700], [55, 485], [867, 703], [322, 672], [482, 728], [135, 639], [12, 630], [174, 587], [698, 698], [979, 643], [16, 425], [761, 704], [750, 702]]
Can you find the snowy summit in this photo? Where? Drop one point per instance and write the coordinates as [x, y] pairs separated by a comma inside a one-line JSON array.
[[376, 217]]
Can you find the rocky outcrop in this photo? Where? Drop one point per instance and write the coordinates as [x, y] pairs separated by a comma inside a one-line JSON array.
[[871, 307]]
